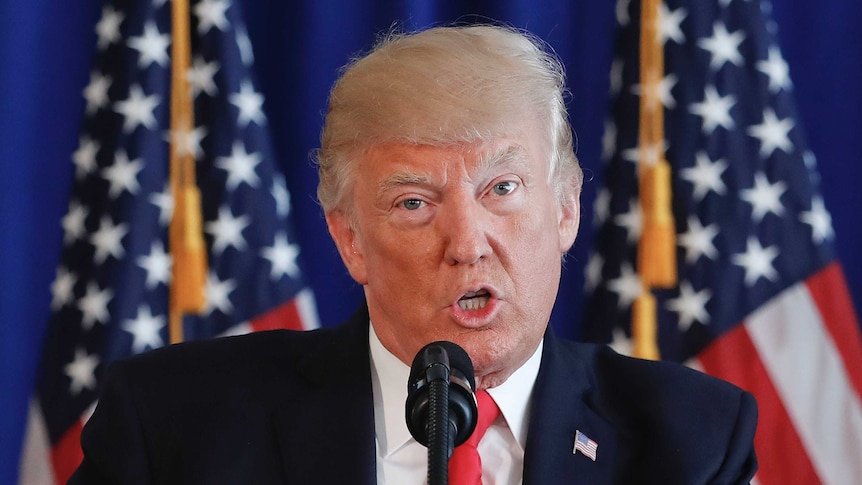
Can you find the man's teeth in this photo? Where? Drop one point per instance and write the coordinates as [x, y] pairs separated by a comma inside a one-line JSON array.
[[473, 303]]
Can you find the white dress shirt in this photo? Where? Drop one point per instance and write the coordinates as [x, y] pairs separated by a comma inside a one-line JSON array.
[[401, 460]]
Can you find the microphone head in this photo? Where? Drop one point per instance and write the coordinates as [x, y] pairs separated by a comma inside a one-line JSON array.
[[448, 362], [442, 352]]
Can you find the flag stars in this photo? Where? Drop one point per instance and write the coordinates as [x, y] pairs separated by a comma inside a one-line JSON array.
[[669, 24], [62, 288], [621, 342], [138, 109], [187, 142], [96, 92], [772, 133], [723, 46], [627, 286], [246, 53], [249, 103], [602, 206], [108, 27], [281, 196], [94, 305], [609, 140], [622, 12], [82, 371], [145, 329], [819, 220], [715, 110], [152, 46], [157, 264], [658, 94], [648, 154], [108, 240], [776, 70], [616, 76], [593, 272], [764, 197], [122, 175], [698, 241], [74, 222], [240, 166], [211, 13], [705, 176], [757, 262], [282, 256], [164, 201], [632, 221], [227, 230], [218, 294], [201, 77], [810, 162], [84, 156], [690, 305]]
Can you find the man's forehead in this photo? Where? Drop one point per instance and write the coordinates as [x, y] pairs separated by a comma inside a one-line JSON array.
[[477, 156], [407, 164]]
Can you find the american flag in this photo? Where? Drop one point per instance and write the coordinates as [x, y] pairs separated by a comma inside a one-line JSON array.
[[761, 300], [585, 445], [110, 294]]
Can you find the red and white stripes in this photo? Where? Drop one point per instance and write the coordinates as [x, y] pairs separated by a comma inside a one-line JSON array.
[[801, 356]]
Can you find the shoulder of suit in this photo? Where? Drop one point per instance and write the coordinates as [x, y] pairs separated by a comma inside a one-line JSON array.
[[260, 354], [631, 386]]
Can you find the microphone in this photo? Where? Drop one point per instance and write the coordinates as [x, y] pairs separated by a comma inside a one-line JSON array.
[[441, 409]]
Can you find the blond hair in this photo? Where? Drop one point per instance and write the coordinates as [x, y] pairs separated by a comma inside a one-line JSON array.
[[443, 86]]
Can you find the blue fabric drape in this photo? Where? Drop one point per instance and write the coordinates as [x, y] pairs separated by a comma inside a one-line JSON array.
[[45, 57]]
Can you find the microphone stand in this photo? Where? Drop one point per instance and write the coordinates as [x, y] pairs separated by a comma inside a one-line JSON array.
[[440, 435]]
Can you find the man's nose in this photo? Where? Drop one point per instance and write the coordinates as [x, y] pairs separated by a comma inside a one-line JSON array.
[[465, 226]]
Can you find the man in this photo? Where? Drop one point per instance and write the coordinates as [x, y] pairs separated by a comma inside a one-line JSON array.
[[450, 187]]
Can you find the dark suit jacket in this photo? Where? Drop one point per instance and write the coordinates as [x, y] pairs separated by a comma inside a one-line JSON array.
[[287, 407]]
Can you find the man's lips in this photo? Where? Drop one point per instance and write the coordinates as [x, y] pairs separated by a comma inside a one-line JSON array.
[[475, 307], [474, 300]]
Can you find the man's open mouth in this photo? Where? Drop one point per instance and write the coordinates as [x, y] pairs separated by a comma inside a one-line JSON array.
[[474, 300]]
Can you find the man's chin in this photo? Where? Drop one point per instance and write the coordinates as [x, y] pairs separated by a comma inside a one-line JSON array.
[[493, 379]]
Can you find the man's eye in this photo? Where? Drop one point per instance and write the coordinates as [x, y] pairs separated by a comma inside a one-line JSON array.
[[412, 204], [504, 188]]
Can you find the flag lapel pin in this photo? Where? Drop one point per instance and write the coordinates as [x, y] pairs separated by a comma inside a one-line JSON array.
[[585, 445]]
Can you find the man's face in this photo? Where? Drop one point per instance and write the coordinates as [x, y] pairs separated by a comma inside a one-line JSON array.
[[460, 243]]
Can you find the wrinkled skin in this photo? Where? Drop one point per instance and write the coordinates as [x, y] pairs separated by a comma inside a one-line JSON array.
[[432, 225]]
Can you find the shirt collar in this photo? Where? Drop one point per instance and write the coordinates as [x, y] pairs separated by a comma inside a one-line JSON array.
[[389, 381], [513, 397]]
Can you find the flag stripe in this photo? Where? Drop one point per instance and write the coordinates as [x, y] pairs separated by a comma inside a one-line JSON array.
[[36, 452], [297, 314], [66, 454], [828, 288], [804, 366], [282, 316], [782, 458]]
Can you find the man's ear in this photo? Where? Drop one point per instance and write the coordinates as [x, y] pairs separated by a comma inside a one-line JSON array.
[[569, 221], [345, 237]]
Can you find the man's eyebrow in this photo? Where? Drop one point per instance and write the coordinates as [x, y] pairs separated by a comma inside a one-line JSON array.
[[502, 156], [508, 155], [400, 179]]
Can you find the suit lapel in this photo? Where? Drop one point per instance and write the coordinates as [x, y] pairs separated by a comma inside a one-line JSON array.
[[561, 407], [326, 434]]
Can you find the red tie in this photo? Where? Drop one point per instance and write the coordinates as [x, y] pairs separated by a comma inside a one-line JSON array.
[[465, 466]]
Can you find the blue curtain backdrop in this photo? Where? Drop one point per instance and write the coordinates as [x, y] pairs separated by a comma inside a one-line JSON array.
[[45, 57]]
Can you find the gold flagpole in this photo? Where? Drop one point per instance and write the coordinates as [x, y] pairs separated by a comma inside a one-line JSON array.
[[187, 246], [657, 245]]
